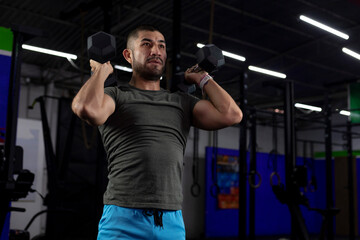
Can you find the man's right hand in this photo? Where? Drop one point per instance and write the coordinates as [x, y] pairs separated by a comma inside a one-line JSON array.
[[107, 67]]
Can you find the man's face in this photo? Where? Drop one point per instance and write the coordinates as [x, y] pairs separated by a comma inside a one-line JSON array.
[[149, 55]]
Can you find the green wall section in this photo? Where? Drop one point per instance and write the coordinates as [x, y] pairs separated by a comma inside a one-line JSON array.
[[337, 154], [6, 39], [355, 102]]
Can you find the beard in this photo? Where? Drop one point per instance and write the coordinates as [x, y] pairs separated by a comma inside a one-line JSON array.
[[145, 72]]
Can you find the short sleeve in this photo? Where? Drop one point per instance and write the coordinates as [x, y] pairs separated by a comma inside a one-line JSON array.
[[193, 100], [111, 91]]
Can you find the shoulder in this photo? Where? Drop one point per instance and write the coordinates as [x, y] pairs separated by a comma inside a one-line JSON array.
[[117, 93], [187, 100], [186, 96]]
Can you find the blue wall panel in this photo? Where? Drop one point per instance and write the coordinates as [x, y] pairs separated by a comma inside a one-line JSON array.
[[272, 217], [5, 63]]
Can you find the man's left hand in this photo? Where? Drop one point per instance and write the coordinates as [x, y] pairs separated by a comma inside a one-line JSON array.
[[194, 74]]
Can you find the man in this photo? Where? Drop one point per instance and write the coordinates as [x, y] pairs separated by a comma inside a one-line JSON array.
[[144, 130]]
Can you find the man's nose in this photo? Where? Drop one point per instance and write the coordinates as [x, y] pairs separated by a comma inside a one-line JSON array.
[[155, 50]]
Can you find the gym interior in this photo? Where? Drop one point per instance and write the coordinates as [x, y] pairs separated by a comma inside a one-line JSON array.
[[287, 171]]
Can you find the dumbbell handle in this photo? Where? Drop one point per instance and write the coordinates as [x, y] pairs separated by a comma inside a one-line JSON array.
[[182, 84]]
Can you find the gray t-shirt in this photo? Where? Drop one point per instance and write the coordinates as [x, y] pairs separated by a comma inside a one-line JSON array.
[[145, 140]]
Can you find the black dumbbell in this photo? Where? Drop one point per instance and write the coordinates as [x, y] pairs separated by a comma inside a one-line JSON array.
[[101, 47], [209, 58]]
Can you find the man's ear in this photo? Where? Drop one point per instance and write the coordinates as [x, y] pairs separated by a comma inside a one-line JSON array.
[[127, 55]]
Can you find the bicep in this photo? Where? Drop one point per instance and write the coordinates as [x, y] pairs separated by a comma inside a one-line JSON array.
[[108, 108], [206, 116]]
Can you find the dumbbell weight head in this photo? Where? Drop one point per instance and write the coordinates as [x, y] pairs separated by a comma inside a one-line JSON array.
[[101, 47], [210, 58]]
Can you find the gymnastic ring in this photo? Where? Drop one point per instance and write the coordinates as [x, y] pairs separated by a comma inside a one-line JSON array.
[[251, 183], [195, 189], [278, 178]]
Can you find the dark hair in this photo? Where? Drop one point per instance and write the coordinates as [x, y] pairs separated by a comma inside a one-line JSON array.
[[144, 27]]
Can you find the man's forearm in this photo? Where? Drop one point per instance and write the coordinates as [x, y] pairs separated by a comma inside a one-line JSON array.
[[221, 111], [90, 96], [222, 101]]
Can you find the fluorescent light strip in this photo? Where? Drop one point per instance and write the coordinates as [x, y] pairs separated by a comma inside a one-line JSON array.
[[48, 51], [344, 112], [351, 53], [266, 71], [308, 107], [122, 68], [324, 27], [234, 56], [225, 53]]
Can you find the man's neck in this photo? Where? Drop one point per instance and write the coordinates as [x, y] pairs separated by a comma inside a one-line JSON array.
[[144, 84]]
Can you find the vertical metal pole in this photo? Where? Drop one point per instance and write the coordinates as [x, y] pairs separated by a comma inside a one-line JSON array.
[[13, 106], [106, 6], [253, 174], [289, 133], [329, 169], [350, 183], [242, 160], [49, 151], [289, 142], [176, 56], [52, 197], [298, 227]]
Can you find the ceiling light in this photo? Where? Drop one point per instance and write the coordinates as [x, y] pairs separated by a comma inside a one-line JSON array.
[[225, 53], [308, 107], [344, 112], [351, 53], [324, 27], [266, 71], [48, 51], [122, 68]]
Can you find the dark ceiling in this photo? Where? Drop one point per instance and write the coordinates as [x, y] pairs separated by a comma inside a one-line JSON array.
[[268, 33]]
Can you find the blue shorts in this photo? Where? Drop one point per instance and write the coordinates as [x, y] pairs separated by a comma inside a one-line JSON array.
[[132, 223]]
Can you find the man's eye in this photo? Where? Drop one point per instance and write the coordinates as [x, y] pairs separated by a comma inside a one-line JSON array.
[[162, 46], [146, 44]]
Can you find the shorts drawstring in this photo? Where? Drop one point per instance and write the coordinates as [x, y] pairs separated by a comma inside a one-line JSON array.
[[157, 216]]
